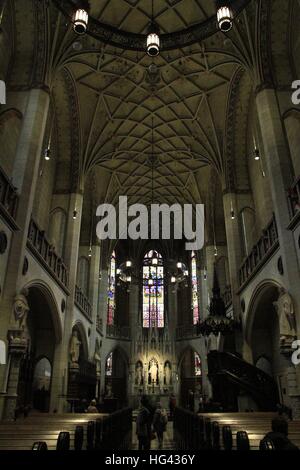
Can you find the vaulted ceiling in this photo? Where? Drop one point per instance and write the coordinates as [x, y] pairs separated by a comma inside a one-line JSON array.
[[182, 95]]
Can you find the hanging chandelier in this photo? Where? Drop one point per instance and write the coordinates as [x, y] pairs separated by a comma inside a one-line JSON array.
[[81, 21], [224, 15], [217, 322], [153, 40], [77, 12]]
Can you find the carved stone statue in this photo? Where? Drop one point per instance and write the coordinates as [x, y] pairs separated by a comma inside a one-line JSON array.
[[139, 374], [153, 371], [20, 310], [167, 373], [74, 348], [97, 359], [286, 314]]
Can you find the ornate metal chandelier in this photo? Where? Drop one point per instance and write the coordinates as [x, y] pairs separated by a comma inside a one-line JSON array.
[[77, 11], [217, 321]]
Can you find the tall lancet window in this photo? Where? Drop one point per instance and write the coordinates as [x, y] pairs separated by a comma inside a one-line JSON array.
[[111, 289], [195, 300], [153, 290]]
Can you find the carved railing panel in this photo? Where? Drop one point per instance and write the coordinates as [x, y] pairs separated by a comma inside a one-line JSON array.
[[83, 303], [8, 195], [294, 198], [45, 252], [118, 332], [263, 249]]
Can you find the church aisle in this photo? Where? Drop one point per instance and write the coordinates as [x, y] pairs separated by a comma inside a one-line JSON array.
[[168, 443]]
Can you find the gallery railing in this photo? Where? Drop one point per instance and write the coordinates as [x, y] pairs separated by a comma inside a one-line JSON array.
[[118, 332], [8, 195], [186, 331], [260, 253], [83, 303], [294, 198], [45, 252], [99, 324]]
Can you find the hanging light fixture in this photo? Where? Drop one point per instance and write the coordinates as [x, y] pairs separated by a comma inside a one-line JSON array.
[[173, 279], [179, 265], [153, 39], [217, 321], [128, 264], [205, 273], [128, 278], [232, 212], [74, 214], [256, 154], [224, 16], [47, 153], [81, 19], [90, 252]]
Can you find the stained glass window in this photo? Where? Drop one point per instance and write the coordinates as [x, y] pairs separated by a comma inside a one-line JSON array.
[[153, 291], [108, 365], [111, 290], [197, 360], [195, 301]]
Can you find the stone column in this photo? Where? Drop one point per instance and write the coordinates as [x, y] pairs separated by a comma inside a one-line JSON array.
[[61, 357], [16, 351], [94, 291], [233, 247], [103, 318], [210, 261], [134, 322], [279, 168], [280, 172], [34, 105]]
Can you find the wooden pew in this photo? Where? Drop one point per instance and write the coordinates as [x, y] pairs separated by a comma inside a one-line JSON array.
[[257, 425]]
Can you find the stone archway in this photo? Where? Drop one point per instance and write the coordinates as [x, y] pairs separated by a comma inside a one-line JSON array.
[[263, 337], [116, 379], [190, 377], [43, 333]]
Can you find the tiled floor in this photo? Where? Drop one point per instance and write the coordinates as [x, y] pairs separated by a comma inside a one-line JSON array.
[[168, 443]]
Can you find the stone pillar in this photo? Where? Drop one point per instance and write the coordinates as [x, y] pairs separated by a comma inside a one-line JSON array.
[[135, 322], [280, 172], [210, 261], [103, 318], [292, 125], [279, 168], [34, 105], [16, 351], [61, 357], [233, 247], [94, 291]]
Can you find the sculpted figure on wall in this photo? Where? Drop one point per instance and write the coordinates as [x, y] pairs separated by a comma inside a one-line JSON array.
[[20, 310], [286, 314], [74, 348]]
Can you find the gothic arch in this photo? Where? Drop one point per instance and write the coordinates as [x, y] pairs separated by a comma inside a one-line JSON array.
[[78, 325], [52, 303], [255, 300], [236, 129]]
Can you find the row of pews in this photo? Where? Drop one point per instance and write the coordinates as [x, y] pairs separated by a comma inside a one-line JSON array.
[[65, 432], [226, 431]]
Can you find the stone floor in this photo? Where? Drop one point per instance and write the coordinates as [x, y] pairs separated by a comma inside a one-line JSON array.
[[168, 443]]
